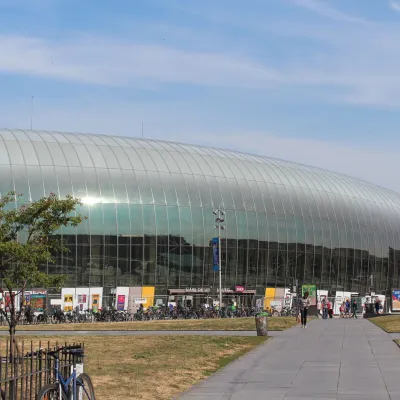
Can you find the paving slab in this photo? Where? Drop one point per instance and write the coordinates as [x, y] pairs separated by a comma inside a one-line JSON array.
[[343, 359]]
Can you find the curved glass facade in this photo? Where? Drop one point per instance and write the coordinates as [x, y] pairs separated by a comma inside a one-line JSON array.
[[150, 214]]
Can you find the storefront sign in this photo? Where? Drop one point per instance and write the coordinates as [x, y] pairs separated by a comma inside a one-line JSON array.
[[312, 291], [207, 290], [395, 299], [140, 300], [197, 290], [121, 302]]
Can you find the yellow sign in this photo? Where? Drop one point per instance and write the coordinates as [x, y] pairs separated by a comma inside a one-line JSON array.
[[68, 302]]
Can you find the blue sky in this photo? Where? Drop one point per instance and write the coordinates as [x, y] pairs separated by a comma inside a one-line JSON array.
[[313, 81]]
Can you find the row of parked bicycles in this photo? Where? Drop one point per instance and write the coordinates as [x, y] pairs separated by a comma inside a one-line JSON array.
[[58, 316]]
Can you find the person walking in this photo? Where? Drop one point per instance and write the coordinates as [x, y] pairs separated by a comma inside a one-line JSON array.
[[304, 304], [324, 305], [354, 307], [377, 306], [330, 309]]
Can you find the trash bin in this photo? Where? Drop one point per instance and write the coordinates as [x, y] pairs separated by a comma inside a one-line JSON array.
[[262, 324]]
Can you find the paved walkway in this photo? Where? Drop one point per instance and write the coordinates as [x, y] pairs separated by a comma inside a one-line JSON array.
[[342, 359]]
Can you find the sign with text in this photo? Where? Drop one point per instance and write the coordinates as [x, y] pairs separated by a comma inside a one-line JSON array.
[[312, 291], [239, 288]]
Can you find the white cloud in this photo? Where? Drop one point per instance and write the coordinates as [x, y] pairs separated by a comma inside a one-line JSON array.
[[111, 62], [394, 5]]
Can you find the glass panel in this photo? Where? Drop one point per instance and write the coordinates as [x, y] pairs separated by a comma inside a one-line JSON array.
[[83, 155], [134, 159], [118, 182], [57, 154], [169, 188], [106, 188], [96, 156], [132, 186], [6, 181], [15, 153], [35, 182], [29, 153], [162, 224], [158, 161], [110, 158], [136, 214], [144, 187], [21, 183]]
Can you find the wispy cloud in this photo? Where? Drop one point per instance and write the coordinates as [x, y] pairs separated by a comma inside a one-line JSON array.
[[110, 62], [323, 9], [394, 5]]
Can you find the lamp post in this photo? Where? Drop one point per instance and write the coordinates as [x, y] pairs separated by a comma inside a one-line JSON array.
[[219, 214]]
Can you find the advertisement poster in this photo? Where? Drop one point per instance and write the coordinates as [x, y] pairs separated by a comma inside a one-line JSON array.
[[121, 302], [312, 290], [25, 299], [68, 302], [95, 302], [38, 302], [396, 300], [215, 254], [81, 298]]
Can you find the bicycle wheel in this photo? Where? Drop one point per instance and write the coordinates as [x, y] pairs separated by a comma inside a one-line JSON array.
[[50, 392], [84, 387]]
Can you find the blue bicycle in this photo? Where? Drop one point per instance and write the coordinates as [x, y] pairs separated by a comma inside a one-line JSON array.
[[74, 387]]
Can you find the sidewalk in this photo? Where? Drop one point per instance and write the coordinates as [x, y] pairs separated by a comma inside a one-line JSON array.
[[342, 359]]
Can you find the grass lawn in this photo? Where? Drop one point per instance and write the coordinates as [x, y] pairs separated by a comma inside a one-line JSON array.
[[229, 324], [389, 323], [156, 367]]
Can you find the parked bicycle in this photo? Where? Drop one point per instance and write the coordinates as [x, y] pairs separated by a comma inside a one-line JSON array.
[[75, 386]]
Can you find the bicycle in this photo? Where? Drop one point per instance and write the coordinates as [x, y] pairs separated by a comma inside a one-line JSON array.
[[71, 388]]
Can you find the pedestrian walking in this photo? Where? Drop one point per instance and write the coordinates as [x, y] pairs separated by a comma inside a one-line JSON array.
[[342, 310], [304, 304], [348, 306], [354, 307], [324, 308], [377, 306], [330, 309]]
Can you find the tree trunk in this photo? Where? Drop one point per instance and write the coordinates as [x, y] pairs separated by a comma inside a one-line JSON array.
[[12, 391]]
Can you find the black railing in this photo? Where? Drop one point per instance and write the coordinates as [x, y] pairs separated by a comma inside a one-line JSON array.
[[25, 367]]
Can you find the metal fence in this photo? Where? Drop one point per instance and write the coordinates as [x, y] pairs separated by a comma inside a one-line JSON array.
[[25, 367]]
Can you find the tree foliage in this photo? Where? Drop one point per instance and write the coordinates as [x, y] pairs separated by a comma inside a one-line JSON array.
[[30, 237]]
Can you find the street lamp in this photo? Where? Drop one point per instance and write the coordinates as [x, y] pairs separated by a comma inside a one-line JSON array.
[[219, 214]]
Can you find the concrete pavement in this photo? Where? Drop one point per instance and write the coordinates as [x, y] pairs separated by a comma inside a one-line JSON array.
[[342, 359]]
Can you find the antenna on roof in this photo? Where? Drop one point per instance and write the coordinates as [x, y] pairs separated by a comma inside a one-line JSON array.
[[32, 104], [142, 129]]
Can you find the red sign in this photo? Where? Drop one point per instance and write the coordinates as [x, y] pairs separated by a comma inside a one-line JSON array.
[[239, 289]]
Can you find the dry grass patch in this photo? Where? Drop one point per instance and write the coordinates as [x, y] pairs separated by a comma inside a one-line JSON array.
[[390, 324], [156, 367], [221, 324]]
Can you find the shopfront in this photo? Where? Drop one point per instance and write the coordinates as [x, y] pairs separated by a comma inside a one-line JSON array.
[[198, 296]]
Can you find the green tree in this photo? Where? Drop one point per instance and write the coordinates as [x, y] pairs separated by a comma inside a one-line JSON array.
[[30, 237]]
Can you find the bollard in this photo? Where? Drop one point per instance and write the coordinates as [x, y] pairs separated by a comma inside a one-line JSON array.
[[262, 324]]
